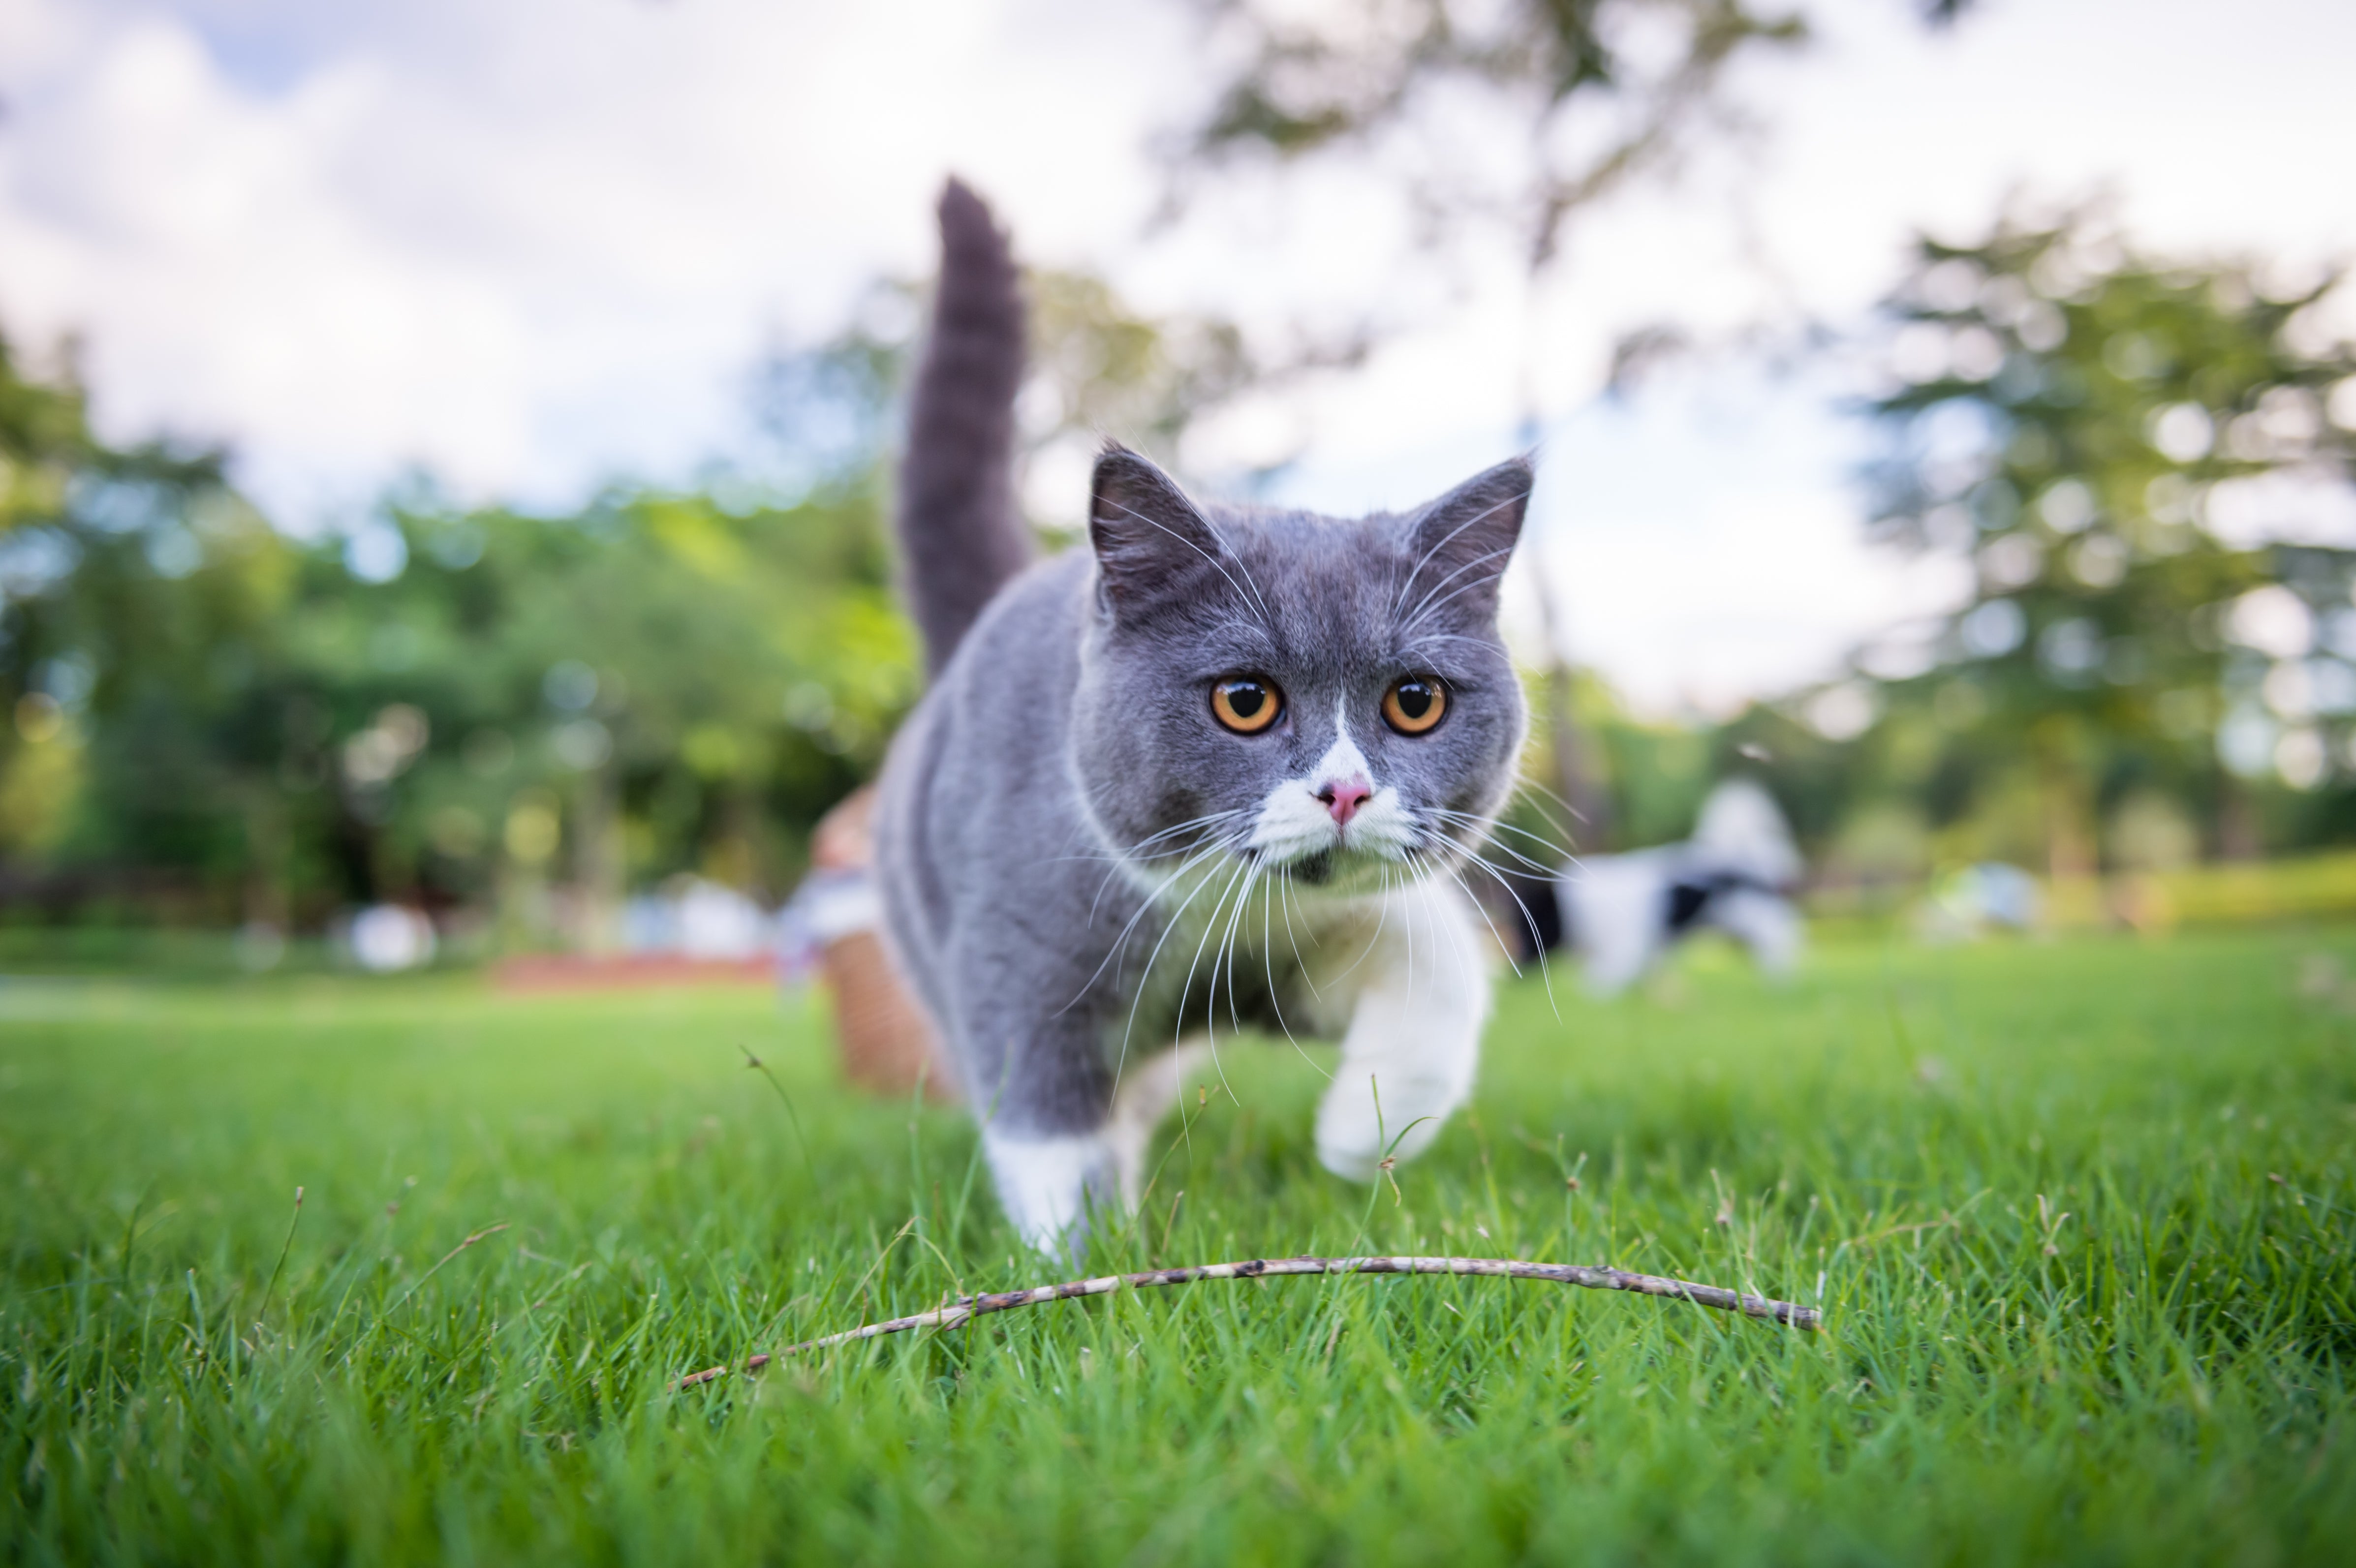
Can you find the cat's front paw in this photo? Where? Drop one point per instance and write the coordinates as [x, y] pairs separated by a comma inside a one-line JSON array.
[[1047, 1187], [1351, 1160], [1355, 1134]]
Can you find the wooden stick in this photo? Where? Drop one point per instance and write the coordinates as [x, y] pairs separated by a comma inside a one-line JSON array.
[[1594, 1278]]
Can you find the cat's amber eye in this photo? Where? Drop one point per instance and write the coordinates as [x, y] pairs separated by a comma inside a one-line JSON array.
[[1414, 705], [1246, 704]]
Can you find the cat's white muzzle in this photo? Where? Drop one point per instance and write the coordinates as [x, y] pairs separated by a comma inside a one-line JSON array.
[[1336, 824], [1296, 824]]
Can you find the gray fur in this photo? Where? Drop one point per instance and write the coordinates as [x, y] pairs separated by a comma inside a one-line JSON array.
[[1043, 889], [960, 534]]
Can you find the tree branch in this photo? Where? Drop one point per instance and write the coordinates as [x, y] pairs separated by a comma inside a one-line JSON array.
[[1594, 1278]]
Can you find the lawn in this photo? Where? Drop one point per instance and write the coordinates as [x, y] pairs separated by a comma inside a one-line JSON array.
[[2082, 1217]]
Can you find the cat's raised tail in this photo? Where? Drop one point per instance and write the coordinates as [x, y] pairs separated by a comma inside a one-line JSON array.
[[961, 536]]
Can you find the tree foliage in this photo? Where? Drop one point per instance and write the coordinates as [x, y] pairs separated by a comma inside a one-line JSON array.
[[448, 706], [1099, 368], [1587, 93], [2145, 466]]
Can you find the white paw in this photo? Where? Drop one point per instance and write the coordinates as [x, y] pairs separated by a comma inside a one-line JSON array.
[[1045, 1186], [1354, 1135]]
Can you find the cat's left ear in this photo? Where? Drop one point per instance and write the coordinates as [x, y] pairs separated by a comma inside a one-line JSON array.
[[1151, 541], [1461, 542]]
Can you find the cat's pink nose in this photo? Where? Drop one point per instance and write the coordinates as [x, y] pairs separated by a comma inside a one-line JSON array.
[[1343, 796]]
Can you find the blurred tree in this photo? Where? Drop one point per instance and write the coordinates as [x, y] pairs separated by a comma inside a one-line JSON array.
[[2146, 467], [1099, 369], [1098, 365], [203, 711], [661, 684], [1595, 92], [137, 598]]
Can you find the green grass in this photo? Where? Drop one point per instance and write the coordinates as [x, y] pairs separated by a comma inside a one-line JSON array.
[[2073, 1316]]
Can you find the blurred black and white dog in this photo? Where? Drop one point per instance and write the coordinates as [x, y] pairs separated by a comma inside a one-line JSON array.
[[1622, 913]]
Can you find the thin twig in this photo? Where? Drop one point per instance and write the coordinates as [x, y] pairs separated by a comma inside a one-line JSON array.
[[1594, 1278]]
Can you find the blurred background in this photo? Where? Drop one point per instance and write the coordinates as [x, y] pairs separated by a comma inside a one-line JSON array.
[[446, 450]]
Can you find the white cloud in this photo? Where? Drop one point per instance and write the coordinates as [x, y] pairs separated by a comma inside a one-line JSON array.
[[529, 245]]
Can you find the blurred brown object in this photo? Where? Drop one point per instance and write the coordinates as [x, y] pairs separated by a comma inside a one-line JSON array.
[[887, 1042], [2139, 902], [845, 839]]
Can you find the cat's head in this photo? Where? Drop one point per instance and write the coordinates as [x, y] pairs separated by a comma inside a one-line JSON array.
[[1326, 699]]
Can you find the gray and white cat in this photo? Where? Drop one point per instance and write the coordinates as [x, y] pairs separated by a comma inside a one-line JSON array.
[[1224, 766]]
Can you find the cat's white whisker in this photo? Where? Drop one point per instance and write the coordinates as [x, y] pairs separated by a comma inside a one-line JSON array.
[[1493, 822], [1407, 924], [1450, 932], [1227, 943], [1483, 830], [1545, 970], [1211, 1013], [1267, 893], [1534, 786], [1511, 962], [1210, 924], [1283, 890], [1127, 862], [1145, 977], [1382, 917], [1219, 950], [1121, 941]]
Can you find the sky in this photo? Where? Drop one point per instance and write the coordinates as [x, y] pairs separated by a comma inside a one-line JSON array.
[[537, 246]]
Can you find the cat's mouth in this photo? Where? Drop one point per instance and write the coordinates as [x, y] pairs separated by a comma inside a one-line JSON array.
[[1316, 870], [1347, 867]]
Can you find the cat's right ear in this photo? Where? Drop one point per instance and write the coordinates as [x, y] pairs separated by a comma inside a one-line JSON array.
[[1149, 541], [1462, 540]]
